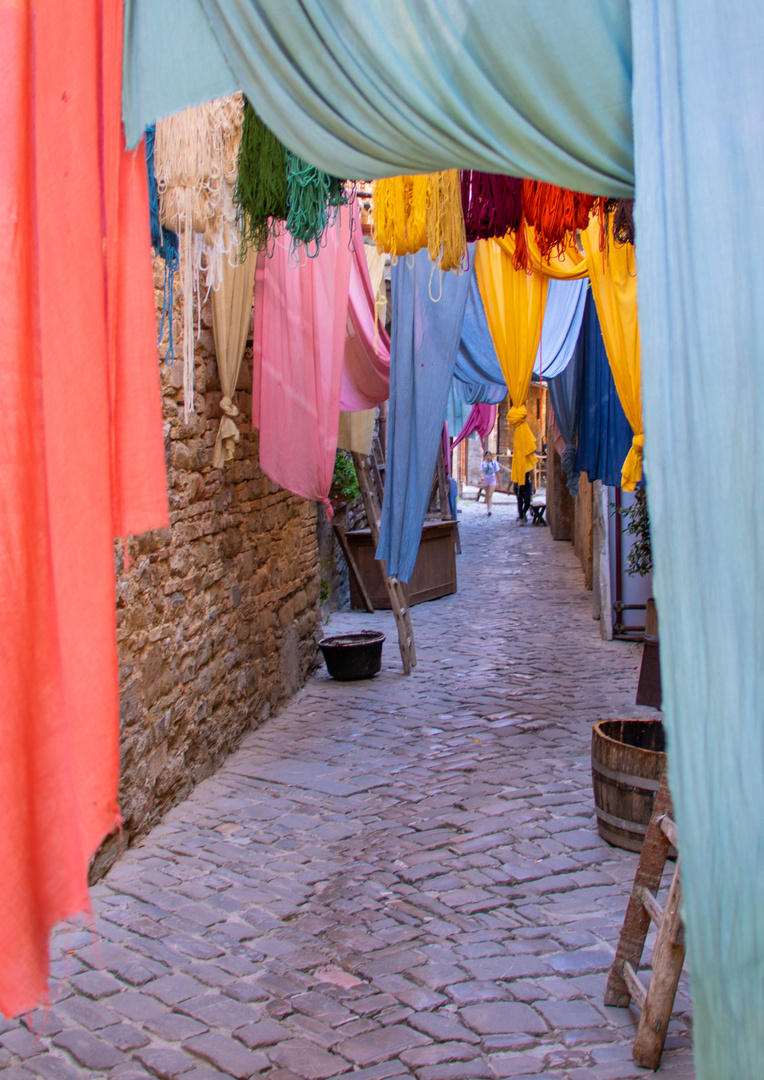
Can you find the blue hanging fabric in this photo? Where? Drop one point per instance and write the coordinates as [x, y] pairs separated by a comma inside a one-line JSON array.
[[165, 245], [457, 409], [604, 433], [563, 315], [390, 86], [477, 373], [424, 339], [698, 123], [565, 396]]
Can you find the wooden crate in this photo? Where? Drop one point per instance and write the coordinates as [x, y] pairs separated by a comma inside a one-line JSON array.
[[434, 572]]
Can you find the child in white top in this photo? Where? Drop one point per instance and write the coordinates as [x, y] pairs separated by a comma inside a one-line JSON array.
[[489, 468]]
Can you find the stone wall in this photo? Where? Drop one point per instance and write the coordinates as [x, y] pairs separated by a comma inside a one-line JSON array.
[[560, 507], [217, 616], [582, 529]]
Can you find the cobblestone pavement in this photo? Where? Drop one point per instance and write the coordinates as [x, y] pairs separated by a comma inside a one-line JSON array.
[[394, 878]]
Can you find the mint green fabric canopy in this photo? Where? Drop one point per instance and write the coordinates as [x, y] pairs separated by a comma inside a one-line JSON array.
[[381, 87], [699, 136], [543, 88]]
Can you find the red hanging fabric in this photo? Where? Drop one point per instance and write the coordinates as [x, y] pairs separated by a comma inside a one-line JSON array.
[[81, 455]]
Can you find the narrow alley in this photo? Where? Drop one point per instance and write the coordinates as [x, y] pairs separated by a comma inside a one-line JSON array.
[[400, 877]]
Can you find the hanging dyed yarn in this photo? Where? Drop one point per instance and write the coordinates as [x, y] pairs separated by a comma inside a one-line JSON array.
[[554, 212], [446, 239], [260, 196], [165, 245], [311, 197], [492, 204], [623, 221], [399, 214], [274, 185], [195, 163], [413, 212]]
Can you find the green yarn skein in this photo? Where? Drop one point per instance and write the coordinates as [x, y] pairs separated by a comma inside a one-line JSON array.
[[261, 187]]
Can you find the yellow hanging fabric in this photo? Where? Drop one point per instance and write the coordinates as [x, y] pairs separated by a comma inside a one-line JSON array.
[[613, 274], [569, 265], [514, 304]]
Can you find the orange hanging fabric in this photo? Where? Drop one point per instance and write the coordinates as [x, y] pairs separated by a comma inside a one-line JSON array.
[[82, 456], [514, 304]]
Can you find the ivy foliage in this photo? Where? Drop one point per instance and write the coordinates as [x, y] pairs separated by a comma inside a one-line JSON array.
[[344, 480], [640, 559]]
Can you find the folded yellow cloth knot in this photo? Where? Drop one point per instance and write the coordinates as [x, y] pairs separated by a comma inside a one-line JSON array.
[[227, 407], [638, 444], [518, 414]]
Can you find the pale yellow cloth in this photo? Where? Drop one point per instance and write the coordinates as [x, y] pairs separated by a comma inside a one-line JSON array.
[[231, 314], [356, 431], [375, 260], [514, 306], [613, 275]]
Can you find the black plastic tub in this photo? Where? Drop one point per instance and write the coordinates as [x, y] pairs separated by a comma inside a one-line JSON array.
[[353, 656]]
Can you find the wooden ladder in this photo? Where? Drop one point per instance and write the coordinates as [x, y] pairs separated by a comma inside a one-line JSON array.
[[371, 484], [624, 984]]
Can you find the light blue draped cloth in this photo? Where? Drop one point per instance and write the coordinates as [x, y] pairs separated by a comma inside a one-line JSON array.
[[424, 338], [563, 314], [477, 373], [384, 87], [457, 409], [699, 137], [565, 394]]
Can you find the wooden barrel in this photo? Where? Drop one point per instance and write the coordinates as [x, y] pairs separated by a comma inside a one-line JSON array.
[[627, 762]]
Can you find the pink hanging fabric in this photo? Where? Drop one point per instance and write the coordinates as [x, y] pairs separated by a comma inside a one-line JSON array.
[[366, 370], [301, 315], [481, 419], [81, 455]]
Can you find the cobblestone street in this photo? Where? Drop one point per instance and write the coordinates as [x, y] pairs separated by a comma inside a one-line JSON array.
[[400, 877]]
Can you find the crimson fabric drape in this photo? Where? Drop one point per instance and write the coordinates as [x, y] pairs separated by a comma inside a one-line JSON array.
[[81, 455], [481, 419]]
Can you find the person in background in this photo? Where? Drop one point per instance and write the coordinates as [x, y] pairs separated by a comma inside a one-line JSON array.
[[489, 468], [524, 493]]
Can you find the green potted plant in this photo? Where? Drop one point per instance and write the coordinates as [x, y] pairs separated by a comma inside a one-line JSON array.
[[640, 557], [640, 562], [344, 488]]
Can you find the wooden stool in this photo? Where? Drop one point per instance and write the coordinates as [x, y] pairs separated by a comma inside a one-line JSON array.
[[538, 510]]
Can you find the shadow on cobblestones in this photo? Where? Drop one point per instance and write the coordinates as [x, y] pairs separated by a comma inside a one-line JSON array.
[[399, 877]]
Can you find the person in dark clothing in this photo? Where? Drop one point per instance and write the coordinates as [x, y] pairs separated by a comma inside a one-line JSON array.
[[524, 493]]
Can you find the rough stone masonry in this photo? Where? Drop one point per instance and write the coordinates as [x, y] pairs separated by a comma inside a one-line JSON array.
[[217, 616]]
